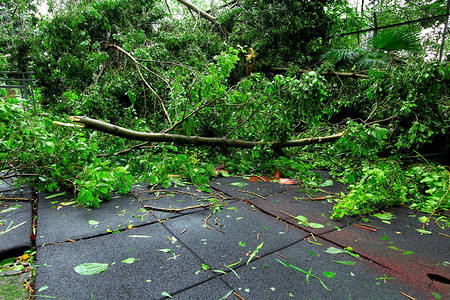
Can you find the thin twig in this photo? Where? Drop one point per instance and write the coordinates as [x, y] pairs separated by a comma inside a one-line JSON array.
[[165, 62], [176, 210], [371, 114], [125, 151], [100, 73], [281, 255], [251, 115], [287, 227], [381, 121], [287, 214], [412, 298], [205, 222], [216, 228], [169, 192], [191, 114], [168, 8], [157, 75], [247, 192], [16, 199], [143, 79], [366, 228], [237, 295]]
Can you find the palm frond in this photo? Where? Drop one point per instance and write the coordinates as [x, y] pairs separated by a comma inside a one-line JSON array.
[[368, 61], [337, 55], [400, 38]]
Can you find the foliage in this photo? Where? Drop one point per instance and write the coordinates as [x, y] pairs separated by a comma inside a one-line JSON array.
[[280, 31], [387, 183], [60, 157], [371, 138], [17, 22], [415, 104]]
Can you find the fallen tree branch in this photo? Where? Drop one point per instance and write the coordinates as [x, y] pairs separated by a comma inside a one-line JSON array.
[[193, 140], [160, 137]]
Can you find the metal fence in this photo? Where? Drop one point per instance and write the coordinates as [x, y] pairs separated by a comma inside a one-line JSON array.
[[359, 7], [19, 80]]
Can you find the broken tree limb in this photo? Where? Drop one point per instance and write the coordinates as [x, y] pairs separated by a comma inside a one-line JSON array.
[[193, 140], [160, 137]]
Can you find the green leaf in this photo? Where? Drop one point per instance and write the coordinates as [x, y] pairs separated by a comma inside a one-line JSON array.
[[226, 295], [350, 263], [436, 295], [423, 219], [424, 231], [7, 261], [315, 225], [224, 174], [90, 268], [254, 252], [166, 294], [55, 195], [11, 208], [334, 250], [308, 274], [165, 250], [395, 248], [329, 274], [386, 216], [239, 184], [408, 253], [129, 260], [301, 219], [241, 243], [205, 267], [43, 288], [327, 182], [93, 222]]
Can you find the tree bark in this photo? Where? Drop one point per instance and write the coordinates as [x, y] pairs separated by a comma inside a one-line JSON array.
[[193, 140]]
